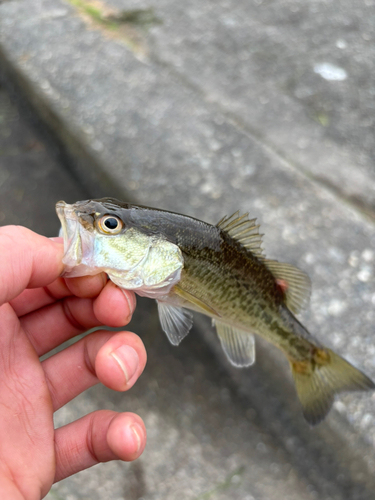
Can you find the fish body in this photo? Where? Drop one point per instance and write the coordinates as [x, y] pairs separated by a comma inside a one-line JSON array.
[[187, 264]]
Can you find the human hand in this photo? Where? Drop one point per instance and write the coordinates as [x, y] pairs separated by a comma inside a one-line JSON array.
[[38, 312]]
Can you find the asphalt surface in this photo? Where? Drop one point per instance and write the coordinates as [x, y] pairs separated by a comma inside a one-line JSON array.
[[205, 109]]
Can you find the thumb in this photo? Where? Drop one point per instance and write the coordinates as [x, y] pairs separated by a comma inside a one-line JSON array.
[[28, 260]]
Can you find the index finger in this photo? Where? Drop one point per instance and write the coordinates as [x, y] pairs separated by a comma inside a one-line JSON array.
[[28, 260], [31, 299]]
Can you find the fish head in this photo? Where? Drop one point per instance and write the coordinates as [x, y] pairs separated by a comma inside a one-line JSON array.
[[104, 235]]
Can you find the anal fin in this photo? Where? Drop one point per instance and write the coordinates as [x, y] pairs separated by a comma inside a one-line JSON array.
[[175, 321], [238, 345]]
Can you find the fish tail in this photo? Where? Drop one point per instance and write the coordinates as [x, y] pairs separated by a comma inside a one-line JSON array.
[[320, 378]]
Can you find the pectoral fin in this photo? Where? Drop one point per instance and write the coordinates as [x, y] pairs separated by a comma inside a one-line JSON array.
[[239, 346], [175, 321], [195, 300]]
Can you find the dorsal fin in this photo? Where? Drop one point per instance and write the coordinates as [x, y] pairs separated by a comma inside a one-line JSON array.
[[243, 230], [295, 284]]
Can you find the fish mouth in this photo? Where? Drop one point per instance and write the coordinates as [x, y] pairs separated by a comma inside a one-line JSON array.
[[78, 242], [71, 234]]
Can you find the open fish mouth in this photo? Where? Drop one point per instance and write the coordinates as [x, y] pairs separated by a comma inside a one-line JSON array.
[[70, 231], [77, 246], [68, 219]]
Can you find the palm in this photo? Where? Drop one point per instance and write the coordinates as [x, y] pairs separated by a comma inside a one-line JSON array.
[[27, 410]]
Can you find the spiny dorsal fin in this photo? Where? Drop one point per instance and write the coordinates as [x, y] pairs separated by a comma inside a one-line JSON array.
[[243, 230], [239, 346], [295, 284], [175, 321]]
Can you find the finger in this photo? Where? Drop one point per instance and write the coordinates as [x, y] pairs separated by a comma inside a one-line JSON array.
[[115, 363], [87, 286], [71, 316], [32, 299], [98, 437], [109, 306], [115, 359], [28, 260]]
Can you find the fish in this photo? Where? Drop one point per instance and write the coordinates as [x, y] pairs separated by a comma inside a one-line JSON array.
[[220, 270]]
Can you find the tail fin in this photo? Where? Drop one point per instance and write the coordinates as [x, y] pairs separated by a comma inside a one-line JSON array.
[[317, 382]]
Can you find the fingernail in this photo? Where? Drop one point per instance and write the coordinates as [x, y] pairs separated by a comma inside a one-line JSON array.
[[137, 435], [57, 239], [130, 300], [127, 359]]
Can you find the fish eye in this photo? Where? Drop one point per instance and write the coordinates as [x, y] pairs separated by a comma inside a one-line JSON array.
[[109, 224]]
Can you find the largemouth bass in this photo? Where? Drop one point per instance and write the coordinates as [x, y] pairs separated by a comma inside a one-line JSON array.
[[186, 264]]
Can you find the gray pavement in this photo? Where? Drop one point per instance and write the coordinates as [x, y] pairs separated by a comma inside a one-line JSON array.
[[206, 108], [31, 177]]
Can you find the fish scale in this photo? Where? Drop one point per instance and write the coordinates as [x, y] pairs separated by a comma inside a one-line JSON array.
[[240, 292]]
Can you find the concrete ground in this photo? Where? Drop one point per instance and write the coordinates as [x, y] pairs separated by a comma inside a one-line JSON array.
[[206, 108]]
